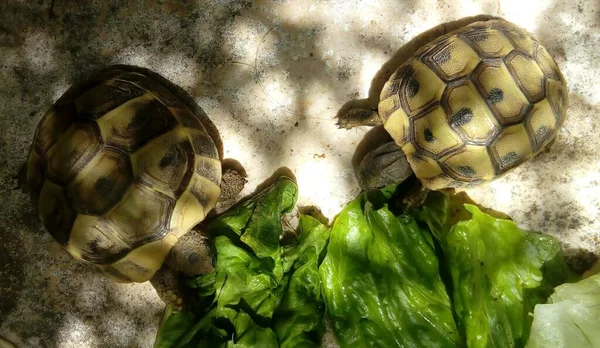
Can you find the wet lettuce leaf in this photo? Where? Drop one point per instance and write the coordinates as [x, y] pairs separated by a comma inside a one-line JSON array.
[[499, 273], [174, 326], [254, 280], [445, 274], [570, 318], [435, 212], [448, 273], [381, 282], [298, 321], [441, 211]]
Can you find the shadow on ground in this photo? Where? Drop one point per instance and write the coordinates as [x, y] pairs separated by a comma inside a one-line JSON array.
[[50, 300]]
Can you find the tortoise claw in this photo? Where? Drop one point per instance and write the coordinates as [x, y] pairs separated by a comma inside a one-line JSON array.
[[170, 288]]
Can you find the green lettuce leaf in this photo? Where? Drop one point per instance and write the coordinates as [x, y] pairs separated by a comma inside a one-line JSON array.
[[298, 320], [382, 278], [570, 318], [245, 280], [499, 274], [446, 274], [435, 213], [174, 326], [252, 274], [381, 282], [264, 229]]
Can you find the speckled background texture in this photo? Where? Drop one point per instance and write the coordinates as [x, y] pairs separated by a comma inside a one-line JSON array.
[[272, 75]]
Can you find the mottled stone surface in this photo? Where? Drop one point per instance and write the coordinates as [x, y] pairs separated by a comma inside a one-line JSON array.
[[272, 75]]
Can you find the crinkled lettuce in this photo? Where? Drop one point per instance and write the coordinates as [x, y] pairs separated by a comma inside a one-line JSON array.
[[298, 320], [261, 294], [445, 274], [441, 275], [570, 318], [499, 273], [381, 282]]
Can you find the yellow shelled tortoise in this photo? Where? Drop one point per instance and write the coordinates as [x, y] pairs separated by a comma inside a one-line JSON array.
[[468, 107], [120, 170]]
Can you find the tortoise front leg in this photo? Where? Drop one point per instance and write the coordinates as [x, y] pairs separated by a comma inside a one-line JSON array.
[[170, 287], [191, 256], [233, 181]]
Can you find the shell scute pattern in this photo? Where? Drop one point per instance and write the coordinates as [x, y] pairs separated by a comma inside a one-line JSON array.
[[433, 134], [55, 212], [473, 104], [53, 124], [105, 97], [451, 59], [93, 240], [119, 169], [488, 43], [136, 122], [72, 152], [468, 113], [503, 96], [528, 75], [142, 214], [167, 165], [96, 189]]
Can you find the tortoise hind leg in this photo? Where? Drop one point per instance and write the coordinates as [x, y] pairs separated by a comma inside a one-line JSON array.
[[383, 166], [546, 148], [358, 117]]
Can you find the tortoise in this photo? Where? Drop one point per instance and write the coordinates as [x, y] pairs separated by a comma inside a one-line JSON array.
[[120, 169], [468, 106]]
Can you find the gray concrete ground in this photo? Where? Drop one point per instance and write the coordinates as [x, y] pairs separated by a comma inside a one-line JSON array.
[[272, 75]]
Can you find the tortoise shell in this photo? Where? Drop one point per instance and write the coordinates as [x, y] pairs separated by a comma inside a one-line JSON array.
[[473, 104], [119, 170]]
